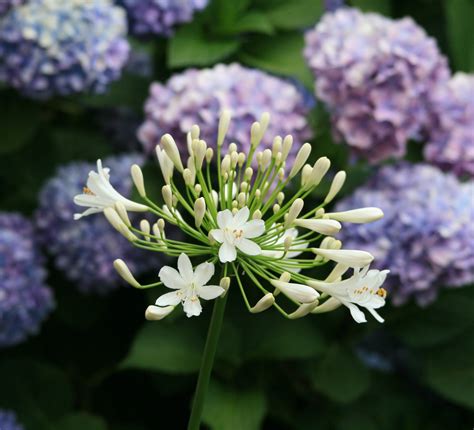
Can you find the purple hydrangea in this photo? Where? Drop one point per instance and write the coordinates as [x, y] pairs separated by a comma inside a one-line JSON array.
[[332, 5], [199, 96], [57, 47], [25, 300], [8, 421], [451, 133], [85, 250], [159, 16], [5, 5], [425, 237], [375, 75]]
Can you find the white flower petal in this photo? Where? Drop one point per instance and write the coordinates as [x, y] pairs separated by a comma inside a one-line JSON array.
[[192, 306], [169, 299], [248, 247], [241, 217], [217, 235], [254, 228], [185, 268], [171, 278], [209, 292], [356, 313], [203, 274], [227, 252], [224, 218]]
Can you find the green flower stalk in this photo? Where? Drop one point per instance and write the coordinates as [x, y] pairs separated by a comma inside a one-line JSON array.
[[241, 220]]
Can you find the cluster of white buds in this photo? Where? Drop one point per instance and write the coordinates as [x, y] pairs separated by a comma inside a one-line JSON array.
[[235, 212]]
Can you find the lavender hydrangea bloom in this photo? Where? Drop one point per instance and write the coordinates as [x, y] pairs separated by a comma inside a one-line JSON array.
[[375, 75], [332, 5], [85, 250], [159, 16], [199, 96], [8, 421], [451, 133], [25, 300], [425, 238], [5, 5], [56, 47]]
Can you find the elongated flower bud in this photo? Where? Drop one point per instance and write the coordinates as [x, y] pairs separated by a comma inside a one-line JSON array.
[[137, 177], [322, 226], [266, 158], [348, 257], [123, 214], [157, 313], [199, 211], [166, 165], [224, 122], [303, 310], [200, 153], [255, 134], [298, 292], [167, 195], [117, 223], [276, 146], [264, 121], [336, 185], [125, 273], [188, 177], [295, 209], [318, 171], [305, 174], [209, 154], [257, 214], [169, 145], [337, 272], [263, 304], [300, 159], [328, 306], [145, 228], [225, 284], [286, 148], [357, 216]]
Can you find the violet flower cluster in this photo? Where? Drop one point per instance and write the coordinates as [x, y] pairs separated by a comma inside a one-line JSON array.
[[451, 133], [8, 421], [56, 47], [199, 96], [5, 5], [425, 237], [159, 16], [25, 300], [374, 74], [85, 251]]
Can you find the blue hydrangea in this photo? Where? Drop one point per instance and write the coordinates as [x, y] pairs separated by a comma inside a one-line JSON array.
[[8, 421], [332, 5], [57, 47], [5, 5], [25, 300], [425, 237], [199, 96], [159, 16], [85, 250]]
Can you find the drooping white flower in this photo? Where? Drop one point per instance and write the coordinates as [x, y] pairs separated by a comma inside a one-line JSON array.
[[235, 231], [362, 289], [100, 194], [189, 285], [299, 292]]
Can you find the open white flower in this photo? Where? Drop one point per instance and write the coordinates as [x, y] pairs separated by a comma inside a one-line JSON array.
[[362, 289], [189, 285], [235, 231], [100, 194]]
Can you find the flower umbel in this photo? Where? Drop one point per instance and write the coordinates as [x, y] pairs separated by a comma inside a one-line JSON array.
[[241, 221]]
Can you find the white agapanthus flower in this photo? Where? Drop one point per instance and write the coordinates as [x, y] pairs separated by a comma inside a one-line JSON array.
[[242, 213]]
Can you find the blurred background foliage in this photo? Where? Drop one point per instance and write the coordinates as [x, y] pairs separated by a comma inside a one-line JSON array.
[[97, 365]]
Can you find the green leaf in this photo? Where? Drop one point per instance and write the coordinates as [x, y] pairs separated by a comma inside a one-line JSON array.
[[174, 347], [340, 375], [459, 16], [449, 316], [39, 393], [380, 6], [253, 21], [229, 408], [281, 54], [81, 421], [295, 14], [190, 46]]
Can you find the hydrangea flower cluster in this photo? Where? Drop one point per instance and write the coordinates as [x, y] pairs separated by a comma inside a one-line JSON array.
[[57, 47], [375, 75], [159, 16], [198, 96], [332, 5], [8, 421], [425, 238], [5, 5], [241, 221], [25, 300], [451, 134], [85, 251]]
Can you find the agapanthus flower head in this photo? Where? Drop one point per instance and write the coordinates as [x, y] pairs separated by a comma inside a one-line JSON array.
[[8, 421], [159, 16], [425, 238], [85, 251], [374, 74], [198, 97], [242, 226], [58, 47], [5, 5], [451, 132], [25, 299]]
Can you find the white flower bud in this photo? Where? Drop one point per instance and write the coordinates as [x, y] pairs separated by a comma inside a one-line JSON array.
[[285, 277], [225, 284], [125, 273], [337, 272], [167, 195], [225, 166], [199, 153], [157, 313], [244, 186], [358, 216], [195, 132], [327, 242], [258, 193], [137, 177], [276, 208], [248, 174], [295, 209], [161, 225], [264, 121], [257, 214], [303, 310], [166, 165], [117, 223], [199, 211], [198, 189], [123, 214], [286, 148], [188, 177], [156, 231], [169, 145], [288, 242], [145, 227], [266, 158], [255, 134], [349, 257], [280, 197], [319, 213], [322, 226], [336, 185], [189, 143], [224, 122], [263, 304], [281, 174], [328, 306], [305, 174], [241, 199], [300, 159], [233, 159], [298, 292], [209, 154], [175, 201], [241, 159], [277, 145], [318, 171], [232, 148]]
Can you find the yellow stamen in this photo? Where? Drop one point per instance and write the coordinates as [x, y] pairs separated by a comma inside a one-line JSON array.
[[86, 190]]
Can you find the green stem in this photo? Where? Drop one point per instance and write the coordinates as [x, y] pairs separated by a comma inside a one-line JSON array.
[[207, 362]]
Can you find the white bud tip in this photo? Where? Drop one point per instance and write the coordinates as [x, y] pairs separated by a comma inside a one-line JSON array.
[[263, 304], [157, 313]]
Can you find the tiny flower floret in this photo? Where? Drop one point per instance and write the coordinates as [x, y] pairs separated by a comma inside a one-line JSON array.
[[189, 285], [235, 231]]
